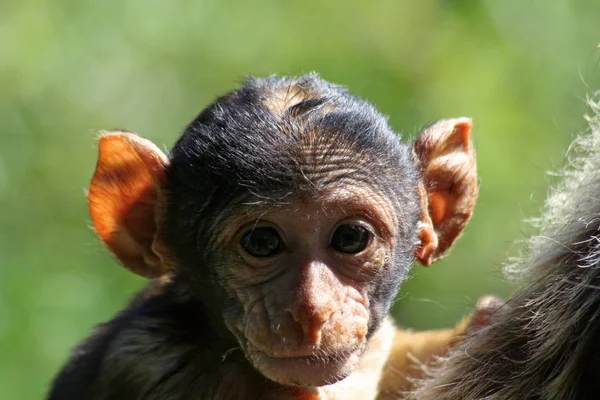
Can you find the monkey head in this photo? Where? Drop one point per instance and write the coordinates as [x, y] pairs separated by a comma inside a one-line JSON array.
[[293, 211]]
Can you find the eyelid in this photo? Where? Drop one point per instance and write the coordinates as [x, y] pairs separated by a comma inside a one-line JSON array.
[[245, 228], [259, 224], [367, 244], [377, 220], [246, 240], [355, 220]]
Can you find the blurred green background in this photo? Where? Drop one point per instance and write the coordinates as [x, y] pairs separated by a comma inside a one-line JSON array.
[[69, 68]]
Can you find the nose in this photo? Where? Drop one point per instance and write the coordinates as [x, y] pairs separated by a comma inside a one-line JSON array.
[[314, 303]]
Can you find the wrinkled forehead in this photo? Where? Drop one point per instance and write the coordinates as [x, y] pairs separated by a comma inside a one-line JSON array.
[[312, 208], [274, 142]]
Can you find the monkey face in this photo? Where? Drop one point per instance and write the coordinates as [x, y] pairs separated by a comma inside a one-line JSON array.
[[302, 276], [290, 212]]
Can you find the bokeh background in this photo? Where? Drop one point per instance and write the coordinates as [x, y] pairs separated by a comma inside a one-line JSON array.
[[69, 68]]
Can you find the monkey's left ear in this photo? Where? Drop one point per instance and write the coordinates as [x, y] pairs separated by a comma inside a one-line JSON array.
[[448, 188], [125, 200]]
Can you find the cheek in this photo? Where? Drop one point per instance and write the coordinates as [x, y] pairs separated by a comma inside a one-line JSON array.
[[365, 269], [259, 312], [377, 263], [247, 309], [349, 322]]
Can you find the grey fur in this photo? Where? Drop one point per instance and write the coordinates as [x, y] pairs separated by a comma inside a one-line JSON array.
[[544, 343]]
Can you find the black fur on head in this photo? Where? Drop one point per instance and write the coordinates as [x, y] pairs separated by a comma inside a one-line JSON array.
[[277, 139]]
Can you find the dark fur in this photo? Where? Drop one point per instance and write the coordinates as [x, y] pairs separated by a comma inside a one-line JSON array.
[[162, 341], [242, 150], [238, 152], [545, 342]]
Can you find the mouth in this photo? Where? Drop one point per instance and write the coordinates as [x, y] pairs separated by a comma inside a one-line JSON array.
[[312, 370]]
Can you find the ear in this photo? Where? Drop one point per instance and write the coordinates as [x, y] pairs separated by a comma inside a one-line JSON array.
[[448, 186], [125, 200]]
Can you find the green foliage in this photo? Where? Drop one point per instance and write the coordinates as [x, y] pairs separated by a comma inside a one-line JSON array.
[[70, 68]]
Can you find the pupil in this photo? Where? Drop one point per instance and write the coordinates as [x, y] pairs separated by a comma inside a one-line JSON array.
[[350, 238], [261, 242]]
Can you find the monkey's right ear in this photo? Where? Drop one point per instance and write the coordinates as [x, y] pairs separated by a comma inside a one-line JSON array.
[[125, 200]]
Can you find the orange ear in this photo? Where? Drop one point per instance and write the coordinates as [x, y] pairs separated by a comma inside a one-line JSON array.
[[448, 186], [124, 200]]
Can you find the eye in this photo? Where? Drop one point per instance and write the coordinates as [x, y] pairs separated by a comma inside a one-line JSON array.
[[350, 238], [261, 242]]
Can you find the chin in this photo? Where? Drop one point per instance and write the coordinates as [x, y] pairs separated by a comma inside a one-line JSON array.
[[307, 370]]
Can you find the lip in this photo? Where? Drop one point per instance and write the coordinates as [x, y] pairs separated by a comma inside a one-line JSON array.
[[307, 353], [312, 370]]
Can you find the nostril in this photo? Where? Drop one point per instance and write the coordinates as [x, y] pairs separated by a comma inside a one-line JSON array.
[[310, 321], [312, 337]]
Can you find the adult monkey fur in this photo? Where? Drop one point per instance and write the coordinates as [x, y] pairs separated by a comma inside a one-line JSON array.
[[279, 228], [544, 343]]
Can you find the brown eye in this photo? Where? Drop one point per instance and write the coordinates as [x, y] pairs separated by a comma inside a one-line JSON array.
[[350, 238], [261, 242]]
